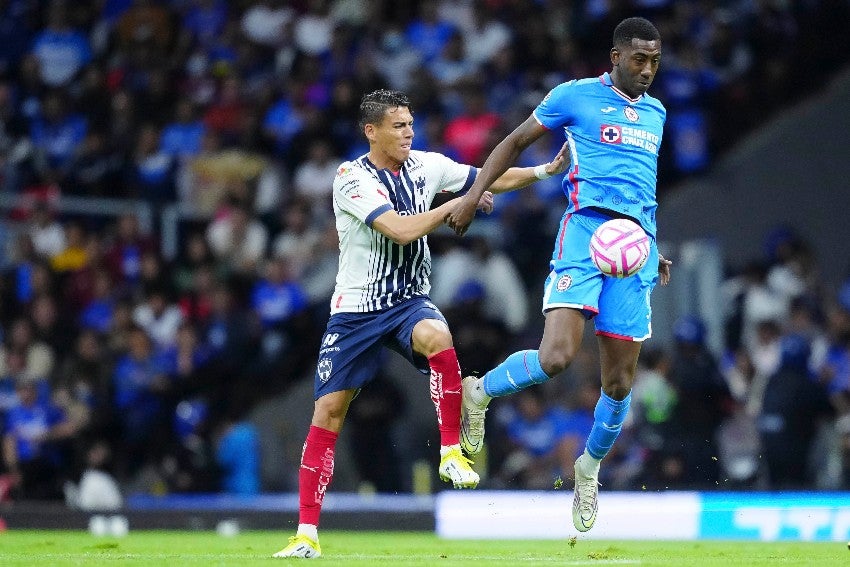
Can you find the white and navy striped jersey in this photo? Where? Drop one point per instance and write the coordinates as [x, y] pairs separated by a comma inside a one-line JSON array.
[[375, 272]]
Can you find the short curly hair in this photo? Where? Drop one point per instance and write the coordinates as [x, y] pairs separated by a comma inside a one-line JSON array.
[[375, 104], [632, 28]]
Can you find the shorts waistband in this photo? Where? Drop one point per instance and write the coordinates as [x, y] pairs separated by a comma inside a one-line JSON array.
[[610, 214]]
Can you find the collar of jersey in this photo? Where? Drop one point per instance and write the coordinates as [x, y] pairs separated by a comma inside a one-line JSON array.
[[605, 79], [387, 169]]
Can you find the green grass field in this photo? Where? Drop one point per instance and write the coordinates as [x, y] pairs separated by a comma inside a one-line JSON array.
[[178, 548]]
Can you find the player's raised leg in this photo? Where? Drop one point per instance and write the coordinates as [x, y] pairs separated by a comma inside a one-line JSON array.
[[316, 472], [432, 339], [562, 336], [618, 362]]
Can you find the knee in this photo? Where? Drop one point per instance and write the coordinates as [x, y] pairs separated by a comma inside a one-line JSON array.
[[431, 337], [555, 361], [329, 414], [617, 391], [618, 384]]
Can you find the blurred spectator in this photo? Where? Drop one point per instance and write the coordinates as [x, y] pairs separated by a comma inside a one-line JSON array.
[[75, 255], [96, 169], [56, 135], [97, 313], [151, 173], [94, 98], [313, 179], [299, 237], [480, 339], [202, 22], [124, 256], [238, 240], [793, 406], [319, 277], [486, 35], [312, 30], [196, 302], [374, 448], [228, 110], [427, 33], [194, 256], [188, 465], [47, 234], [145, 23], [50, 325], [469, 131], [397, 59], [237, 452], [505, 297], [39, 358], [181, 139], [277, 297], [540, 448], [703, 400], [141, 391], [33, 427], [16, 28], [86, 373], [265, 22], [452, 70], [159, 316], [61, 50]]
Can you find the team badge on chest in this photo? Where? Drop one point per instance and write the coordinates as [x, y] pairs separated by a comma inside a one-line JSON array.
[[631, 114]]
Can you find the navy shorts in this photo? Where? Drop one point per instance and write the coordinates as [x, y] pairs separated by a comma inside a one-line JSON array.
[[350, 353]]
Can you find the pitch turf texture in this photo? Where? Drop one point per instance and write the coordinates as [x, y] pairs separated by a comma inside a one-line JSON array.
[[178, 548]]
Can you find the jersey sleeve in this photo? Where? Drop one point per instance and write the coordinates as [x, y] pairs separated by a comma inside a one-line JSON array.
[[557, 108], [360, 194], [454, 177]]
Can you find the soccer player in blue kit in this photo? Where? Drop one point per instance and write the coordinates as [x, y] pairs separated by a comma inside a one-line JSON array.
[[613, 129]]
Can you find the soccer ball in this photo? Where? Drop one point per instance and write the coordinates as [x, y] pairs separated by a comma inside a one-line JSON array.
[[619, 248]]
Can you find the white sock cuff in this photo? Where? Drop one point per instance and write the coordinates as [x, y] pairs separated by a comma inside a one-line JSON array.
[[309, 530]]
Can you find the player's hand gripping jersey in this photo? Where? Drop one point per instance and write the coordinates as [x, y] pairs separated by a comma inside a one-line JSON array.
[[375, 272], [614, 142]]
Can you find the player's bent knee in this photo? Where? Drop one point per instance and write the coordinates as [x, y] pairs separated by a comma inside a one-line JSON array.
[[617, 391], [431, 336], [554, 362]]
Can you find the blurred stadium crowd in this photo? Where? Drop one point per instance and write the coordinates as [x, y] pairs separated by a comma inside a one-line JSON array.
[[116, 357]]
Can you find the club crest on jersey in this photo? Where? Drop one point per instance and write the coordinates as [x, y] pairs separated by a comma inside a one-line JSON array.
[[610, 134], [631, 114], [564, 282], [324, 369]]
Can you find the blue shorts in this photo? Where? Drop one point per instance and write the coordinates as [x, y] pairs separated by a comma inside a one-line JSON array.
[[620, 306], [350, 353]]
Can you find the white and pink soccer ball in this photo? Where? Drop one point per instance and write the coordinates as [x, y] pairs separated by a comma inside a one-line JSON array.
[[619, 248]]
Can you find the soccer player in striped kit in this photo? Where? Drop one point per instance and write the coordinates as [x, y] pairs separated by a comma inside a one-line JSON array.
[[613, 129], [382, 203]]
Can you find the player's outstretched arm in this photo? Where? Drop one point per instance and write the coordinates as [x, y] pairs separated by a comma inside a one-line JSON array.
[[519, 177], [405, 229], [500, 159]]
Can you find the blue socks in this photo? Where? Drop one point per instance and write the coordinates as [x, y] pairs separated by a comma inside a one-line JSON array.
[[519, 371], [608, 418]]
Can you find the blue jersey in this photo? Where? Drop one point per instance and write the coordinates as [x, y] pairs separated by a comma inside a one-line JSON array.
[[613, 141]]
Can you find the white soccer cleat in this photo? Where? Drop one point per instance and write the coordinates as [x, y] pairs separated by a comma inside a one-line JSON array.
[[586, 498], [455, 468], [300, 546], [471, 420]]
